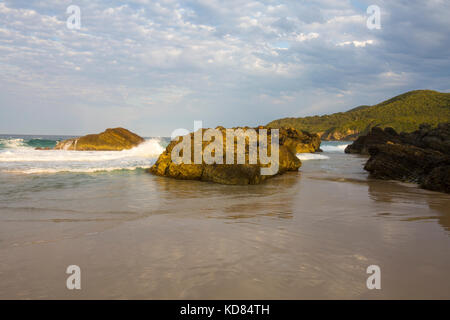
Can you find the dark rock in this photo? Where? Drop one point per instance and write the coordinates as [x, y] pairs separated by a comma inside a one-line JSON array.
[[426, 137], [403, 162], [430, 138], [438, 179], [422, 157], [376, 136]]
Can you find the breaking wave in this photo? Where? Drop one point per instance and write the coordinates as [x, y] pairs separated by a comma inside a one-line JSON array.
[[311, 156], [334, 148], [18, 157]]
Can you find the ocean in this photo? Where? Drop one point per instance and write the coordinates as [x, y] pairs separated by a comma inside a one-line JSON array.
[[307, 234]]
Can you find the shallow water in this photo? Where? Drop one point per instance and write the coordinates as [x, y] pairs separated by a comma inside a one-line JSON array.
[[308, 234]]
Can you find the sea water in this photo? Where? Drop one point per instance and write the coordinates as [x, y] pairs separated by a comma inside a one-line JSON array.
[[306, 234]]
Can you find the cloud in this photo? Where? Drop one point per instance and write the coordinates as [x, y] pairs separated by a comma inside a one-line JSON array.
[[357, 43], [154, 66]]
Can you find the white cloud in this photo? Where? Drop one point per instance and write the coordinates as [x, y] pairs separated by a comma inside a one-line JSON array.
[[303, 37], [212, 59], [357, 43]]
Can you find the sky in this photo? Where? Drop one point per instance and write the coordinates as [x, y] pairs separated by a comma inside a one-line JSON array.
[[156, 66]]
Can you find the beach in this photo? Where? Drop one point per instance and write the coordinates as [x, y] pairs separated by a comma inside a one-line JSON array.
[[303, 235]]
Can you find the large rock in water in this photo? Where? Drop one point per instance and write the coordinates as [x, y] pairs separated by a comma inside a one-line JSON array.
[[422, 157], [290, 141], [116, 139]]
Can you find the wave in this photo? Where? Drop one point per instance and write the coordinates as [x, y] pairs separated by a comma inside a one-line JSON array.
[[311, 156], [28, 160], [149, 148], [13, 143], [334, 148]]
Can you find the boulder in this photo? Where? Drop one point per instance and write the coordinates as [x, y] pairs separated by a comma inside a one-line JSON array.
[[430, 138], [403, 162], [376, 136], [116, 139], [426, 137], [438, 179], [422, 157], [234, 173], [299, 141]]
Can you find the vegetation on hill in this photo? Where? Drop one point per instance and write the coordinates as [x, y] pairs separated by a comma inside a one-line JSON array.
[[404, 113]]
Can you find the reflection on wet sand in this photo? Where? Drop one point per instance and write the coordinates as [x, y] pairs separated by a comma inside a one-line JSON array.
[[231, 202], [302, 235], [443, 207], [395, 192]]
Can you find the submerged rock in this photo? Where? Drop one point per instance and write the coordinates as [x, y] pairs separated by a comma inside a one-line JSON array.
[[116, 139], [422, 156], [233, 173]]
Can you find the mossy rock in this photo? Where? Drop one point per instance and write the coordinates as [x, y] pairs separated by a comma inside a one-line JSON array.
[[116, 139], [291, 142]]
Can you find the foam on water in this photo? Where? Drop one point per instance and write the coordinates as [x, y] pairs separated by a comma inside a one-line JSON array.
[[311, 156], [13, 143], [334, 148], [18, 155], [23, 159]]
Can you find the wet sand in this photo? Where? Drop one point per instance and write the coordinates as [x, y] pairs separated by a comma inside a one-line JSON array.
[[304, 235]]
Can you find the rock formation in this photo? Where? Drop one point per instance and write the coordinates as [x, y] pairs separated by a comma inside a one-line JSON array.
[[422, 156], [300, 141], [375, 136], [116, 139], [290, 142]]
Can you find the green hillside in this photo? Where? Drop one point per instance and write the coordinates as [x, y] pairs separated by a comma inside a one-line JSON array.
[[403, 113]]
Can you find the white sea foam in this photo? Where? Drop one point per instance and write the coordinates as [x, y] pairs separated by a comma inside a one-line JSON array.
[[13, 143], [311, 156], [149, 148], [69, 169], [28, 160], [337, 148]]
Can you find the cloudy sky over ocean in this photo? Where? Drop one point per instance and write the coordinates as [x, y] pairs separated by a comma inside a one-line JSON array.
[[154, 66]]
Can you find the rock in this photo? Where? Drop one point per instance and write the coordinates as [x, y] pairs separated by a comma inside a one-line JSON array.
[[241, 174], [430, 138], [438, 179], [43, 148], [422, 157], [116, 139], [403, 162], [334, 134], [426, 137], [376, 136], [299, 141]]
